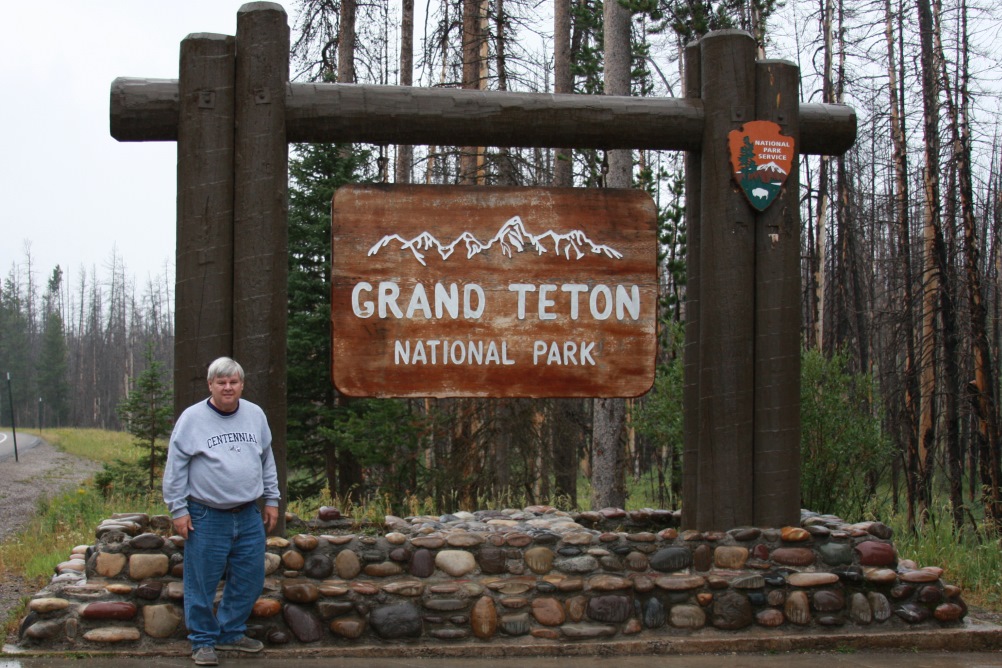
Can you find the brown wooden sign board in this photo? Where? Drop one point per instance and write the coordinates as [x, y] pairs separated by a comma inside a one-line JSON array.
[[461, 291]]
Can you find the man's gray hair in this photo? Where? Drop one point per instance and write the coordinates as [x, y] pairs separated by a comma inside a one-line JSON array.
[[224, 366]]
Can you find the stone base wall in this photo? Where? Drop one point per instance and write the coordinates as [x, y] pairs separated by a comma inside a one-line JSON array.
[[502, 575]]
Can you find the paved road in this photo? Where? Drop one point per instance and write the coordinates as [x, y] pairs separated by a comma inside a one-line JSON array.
[[24, 442], [778, 660]]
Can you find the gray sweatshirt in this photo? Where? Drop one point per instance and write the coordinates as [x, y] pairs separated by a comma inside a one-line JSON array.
[[220, 459]]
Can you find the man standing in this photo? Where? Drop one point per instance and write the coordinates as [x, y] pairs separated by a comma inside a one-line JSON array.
[[219, 463]]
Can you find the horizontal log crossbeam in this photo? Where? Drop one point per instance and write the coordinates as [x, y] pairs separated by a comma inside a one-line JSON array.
[[148, 109]]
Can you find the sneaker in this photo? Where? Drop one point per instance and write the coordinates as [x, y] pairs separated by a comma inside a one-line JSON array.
[[205, 656], [242, 644]]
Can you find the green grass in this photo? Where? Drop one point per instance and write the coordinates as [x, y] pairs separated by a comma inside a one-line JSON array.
[[99, 445], [974, 564]]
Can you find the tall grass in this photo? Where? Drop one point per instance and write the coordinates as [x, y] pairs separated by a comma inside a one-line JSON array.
[[70, 518], [969, 560]]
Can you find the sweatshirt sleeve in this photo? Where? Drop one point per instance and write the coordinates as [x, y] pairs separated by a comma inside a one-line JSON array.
[[175, 482], [269, 473]]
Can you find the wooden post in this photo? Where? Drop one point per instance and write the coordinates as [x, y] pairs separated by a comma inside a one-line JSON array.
[[260, 262], [726, 291], [777, 315], [203, 328], [690, 354]]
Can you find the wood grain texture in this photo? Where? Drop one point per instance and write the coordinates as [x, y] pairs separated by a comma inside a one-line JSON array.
[[366, 360], [147, 110]]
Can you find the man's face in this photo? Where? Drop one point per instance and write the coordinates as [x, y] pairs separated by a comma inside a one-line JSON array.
[[226, 391]]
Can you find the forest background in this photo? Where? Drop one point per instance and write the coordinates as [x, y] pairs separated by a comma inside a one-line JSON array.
[[901, 325]]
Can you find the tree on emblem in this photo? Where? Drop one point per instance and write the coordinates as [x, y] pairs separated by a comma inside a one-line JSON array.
[[747, 158]]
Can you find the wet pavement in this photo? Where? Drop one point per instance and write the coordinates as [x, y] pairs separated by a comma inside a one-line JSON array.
[[858, 659]]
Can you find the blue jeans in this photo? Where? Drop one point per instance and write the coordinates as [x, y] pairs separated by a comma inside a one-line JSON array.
[[222, 542]]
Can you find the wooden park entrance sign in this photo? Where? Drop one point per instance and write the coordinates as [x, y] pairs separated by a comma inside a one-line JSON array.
[[518, 292], [233, 112]]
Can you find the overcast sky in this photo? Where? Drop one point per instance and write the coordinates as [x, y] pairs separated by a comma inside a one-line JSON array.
[[69, 189]]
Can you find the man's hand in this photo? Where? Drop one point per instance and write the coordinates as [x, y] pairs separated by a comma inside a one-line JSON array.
[[182, 525], [270, 515]]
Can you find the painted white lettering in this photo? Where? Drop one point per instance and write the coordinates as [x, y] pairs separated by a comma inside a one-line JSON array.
[[468, 290], [458, 352], [420, 356], [492, 354], [574, 289], [538, 350], [361, 309], [521, 289], [388, 293], [604, 291], [545, 302], [447, 299], [627, 302], [586, 348], [419, 302], [401, 352]]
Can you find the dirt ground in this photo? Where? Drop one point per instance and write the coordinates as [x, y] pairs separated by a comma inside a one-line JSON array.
[[41, 470]]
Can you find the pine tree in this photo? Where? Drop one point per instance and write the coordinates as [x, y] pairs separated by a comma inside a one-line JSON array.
[[147, 413]]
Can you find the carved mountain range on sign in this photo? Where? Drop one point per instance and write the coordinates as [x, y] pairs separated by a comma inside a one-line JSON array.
[[512, 237]]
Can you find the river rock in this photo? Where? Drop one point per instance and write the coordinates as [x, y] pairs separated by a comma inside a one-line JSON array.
[[880, 605], [393, 622], [770, 618], [48, 604], [266, 607], [671, 559], [318, 566], [687, 617], [112, 634], [836, 554], [491, 560], [149, 590], [611, 608], [46, 629], [588, 631], [300, 592], [515, 625], [456, 563], [350, 628], [109, 564], [347, 564], [949, 612], [859, 609], [148, 566], [730, 557], [305, 626], [422, 564], [731, 611], [161, 621], [548, 611], [797, 608], [793, 556], [539, 559], [109, 610], [874, 553], [147, 541]]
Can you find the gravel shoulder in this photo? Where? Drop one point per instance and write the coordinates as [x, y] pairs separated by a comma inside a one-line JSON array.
[[41, 471]]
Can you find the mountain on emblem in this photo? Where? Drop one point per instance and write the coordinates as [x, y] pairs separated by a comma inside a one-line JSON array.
[[512, 237], [762, 158]]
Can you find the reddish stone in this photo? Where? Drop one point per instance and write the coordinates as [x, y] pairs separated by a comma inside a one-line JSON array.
[[484, 618], [874, 553], [548, 611], [948, 612], [109, 610], [793, 556], [266, 607], [328, 514]]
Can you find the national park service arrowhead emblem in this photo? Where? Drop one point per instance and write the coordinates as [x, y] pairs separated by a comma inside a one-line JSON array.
[[762, 158]]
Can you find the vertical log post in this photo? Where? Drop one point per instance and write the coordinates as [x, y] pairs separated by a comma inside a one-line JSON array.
[[777, 314], [690, 354], [203, 309], [726, 291], [260, 262]]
